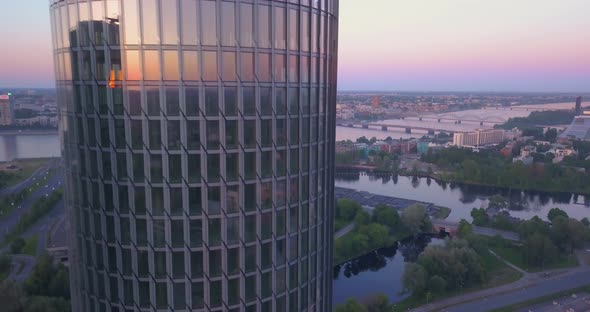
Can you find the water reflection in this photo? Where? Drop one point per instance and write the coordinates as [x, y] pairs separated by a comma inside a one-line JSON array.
[[461, 198], [379, 271]]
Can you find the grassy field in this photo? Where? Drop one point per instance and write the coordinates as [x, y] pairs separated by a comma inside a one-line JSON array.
[[513, 253], [498, 274], [443, 213], [544, 299], [31, 245], [28, 166]]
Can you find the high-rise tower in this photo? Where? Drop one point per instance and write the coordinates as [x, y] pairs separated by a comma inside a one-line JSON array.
[[579, 106], [198, 138]]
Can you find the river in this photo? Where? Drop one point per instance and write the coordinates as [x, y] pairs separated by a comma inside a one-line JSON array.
[[28, 146], [462, 198], [378, 272]]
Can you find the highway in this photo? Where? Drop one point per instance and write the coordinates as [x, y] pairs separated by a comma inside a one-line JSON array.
[[28, 182]]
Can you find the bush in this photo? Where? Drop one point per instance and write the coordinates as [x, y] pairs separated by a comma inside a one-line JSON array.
[[17, 245]]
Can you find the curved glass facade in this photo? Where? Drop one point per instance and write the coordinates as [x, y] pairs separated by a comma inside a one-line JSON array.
[[198, 137]]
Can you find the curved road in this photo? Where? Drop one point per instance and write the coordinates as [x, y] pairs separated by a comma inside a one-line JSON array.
[[38, 174]]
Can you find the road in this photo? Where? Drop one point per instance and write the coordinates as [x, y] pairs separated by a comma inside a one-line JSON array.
[[38, 174], [485, 231], [22, 265], [531, 286], [343, 231], [9, 222]]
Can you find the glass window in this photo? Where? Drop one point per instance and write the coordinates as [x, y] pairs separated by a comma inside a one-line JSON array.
[[133, 70], [194, 168], [130, 22], [281, 132], [157, 201], [232, 167], [193, 135], [175, 168], [213, 135], [250, 165], [179, 296], [215, 294], [293, 101], [196, 236], [173, 134], [215, 262], [136, 134], [264, 67], [280, 28], [264, 26], [281, 101], [194, 200], [214, 199], [191, 99], [197, 295], [293, 68], [169, 22], [210, 66], [196, 264], [153, 101], [233, 291], [144, 293], [247, 72], [211, 101], [250, 225], [233, 199], [280, 68], [151, 65], [266, 192], [233, 235], [229, 66], [250, 258], [231, 101], [209, 20], [214, 232], [249, 133], [171, 69], [141, 232], [249, 101], [161, 296], [293, 29], [154, 134], [305, 100], [246, 25], [266, 133], [304, 69], [172, 101], [177, 229], [305, 31], [251, 287], [190, 66], [266, 101], [159, 233], [138, 168], [190, 25], [150, 22], [228, 24], [160, 264]]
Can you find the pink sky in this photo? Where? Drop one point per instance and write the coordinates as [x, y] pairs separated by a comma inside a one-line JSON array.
[[523, 45]]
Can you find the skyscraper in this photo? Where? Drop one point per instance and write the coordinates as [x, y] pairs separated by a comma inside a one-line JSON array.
[[6, 112], [198, 138], [579, 106]]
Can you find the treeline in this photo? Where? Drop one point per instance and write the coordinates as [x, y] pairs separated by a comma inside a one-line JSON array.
[[46, 290], [41, 207], [488, 168], [546, 118], [384, 227]]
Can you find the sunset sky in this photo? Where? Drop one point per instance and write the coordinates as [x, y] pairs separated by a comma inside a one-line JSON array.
[[401, 45]]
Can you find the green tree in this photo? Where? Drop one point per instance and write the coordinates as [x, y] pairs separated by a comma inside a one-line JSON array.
[[12, 298], [415, 219], [551, 135], [414, 278], [362, 218], [539, 250], [556, 212], [17, 245], [378, 303], [346, 209], [387, 216], [586, 222], [47, 304], [464, 229], [351, 305], [437, 284], [498, 202], [480, 217], [48, 279]]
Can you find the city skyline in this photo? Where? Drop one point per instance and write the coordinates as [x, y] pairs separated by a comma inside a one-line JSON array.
[[486, 47]]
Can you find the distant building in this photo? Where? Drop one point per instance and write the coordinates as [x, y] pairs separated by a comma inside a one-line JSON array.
[[579, 129], [478, 138], [526, 160], [6, 112], [578, 106], [527, 151], [376, 102]]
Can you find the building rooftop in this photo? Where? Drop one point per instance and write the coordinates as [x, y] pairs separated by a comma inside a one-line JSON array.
[[579, 129]]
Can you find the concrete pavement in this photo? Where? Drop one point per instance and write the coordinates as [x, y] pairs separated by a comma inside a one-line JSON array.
[[343, 231]]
